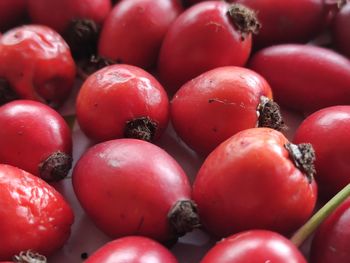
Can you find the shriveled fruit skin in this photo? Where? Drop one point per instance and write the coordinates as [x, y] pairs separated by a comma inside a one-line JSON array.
[[304, 78], [33, 214]]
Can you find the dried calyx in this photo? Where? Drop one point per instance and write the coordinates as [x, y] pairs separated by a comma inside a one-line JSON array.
[[6, 92], [269, 114], [82, 36], [143, 128], [303, 156], [183, 218], [92, 64], [55, 167], [244, 19], [29, 256]]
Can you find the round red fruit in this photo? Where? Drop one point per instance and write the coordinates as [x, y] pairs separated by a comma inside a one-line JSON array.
[[254, 246], [133, 249], [36, 64], [340, 30], [256, 180], [140, 24], [207, 35], [328, 131], [138, 190], [36, 139], [303, 77], [12, 12], [35, 217], [122, 101], [219, 103]]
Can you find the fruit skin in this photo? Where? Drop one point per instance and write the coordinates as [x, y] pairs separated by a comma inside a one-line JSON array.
[[303, 77], [12, 12], [287, 22], [57, 14], [328, 130], [250, 182], [133, 249], [254, 246], [330, 243], [116, 94], [217, 104], [37, 63], [32, 131], [140, 24], [203, 37], [136, 184], [35, 217], [340, 30]]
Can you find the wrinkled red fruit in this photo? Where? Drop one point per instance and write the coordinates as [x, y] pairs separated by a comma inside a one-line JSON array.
[[36, 64], [33, 215]]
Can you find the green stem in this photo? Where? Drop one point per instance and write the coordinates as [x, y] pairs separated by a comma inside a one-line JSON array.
[[312, 224]]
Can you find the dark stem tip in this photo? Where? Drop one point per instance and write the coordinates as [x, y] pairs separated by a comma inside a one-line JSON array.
[[244, 19], [29, 256], [91, 65], [183, 217], [55, 167], [143, 128], [270, 115], [7, 94], [303, 156]]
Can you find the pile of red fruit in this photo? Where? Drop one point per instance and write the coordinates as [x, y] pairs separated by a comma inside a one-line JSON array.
[[100, 100]]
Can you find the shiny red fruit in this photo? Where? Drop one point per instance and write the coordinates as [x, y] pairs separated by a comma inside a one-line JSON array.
[[36, 64], [36, 139], [331, 240], [304, 77], [132, 249], [217, 104], [255, 180], [207, 35], [33, 215], [138, 189], [255, 246], [328, 131], [122, 101], [134, 30]]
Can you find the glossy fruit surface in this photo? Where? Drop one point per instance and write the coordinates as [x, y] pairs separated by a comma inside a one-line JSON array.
[[122, 101], [136, 184], [133, 249], [37, 64], [203, 37], [331, 239], [253, 173], [328, 131], [217, 104], [254, 246], [36, 139], [303, 77], [33, 214], [134, 30]]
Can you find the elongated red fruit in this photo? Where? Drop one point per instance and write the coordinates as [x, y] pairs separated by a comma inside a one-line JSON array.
[[304, 77]]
